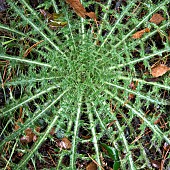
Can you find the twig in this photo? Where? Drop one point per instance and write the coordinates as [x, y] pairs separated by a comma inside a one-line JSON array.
[[164, 157], [51, 159], [30, 48], [95, 162]]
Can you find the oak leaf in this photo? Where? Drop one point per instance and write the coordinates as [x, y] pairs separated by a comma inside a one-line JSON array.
[[80, 10], [157, 18], [159, 70]]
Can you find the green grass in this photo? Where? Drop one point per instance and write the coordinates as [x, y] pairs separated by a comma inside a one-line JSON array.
[[77, 80]]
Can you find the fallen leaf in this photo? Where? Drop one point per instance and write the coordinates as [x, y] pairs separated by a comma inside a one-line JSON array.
[[157, 18], [53, 19], [24, 140], [91, 15], [156, 164], [91, 166], [166, 146], [52, 132], [34, 138], [38, 128], [29, 137], [16, 126], [80, 10], [157, 121], [159, 70], [140, 33], [133, 86], [65, 143], [131, 96]]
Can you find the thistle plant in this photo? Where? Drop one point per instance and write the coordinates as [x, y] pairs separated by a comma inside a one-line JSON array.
[[88, 81]]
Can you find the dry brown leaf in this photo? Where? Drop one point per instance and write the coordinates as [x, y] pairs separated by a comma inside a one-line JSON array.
[[131, 96], [30, 136], [133, 85], [38, 128], [157, 121], [91, 166], [52, 132], [24, 140], [166, 146], [16, 126], [80, 10], [140, 33], [156, 164], [159, 70], [91, 15], [65, 143], [157, 18]]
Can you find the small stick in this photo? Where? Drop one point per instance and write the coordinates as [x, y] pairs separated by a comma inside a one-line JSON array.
[[95, 162], [164, 158], [51, 158]]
